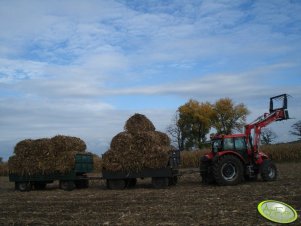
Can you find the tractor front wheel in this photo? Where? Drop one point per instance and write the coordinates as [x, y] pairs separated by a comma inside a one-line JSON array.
[[268, 170], [228, 170]]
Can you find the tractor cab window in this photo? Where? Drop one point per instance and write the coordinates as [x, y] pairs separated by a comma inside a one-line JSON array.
[[240, 143], [228, 144], [216, 145]]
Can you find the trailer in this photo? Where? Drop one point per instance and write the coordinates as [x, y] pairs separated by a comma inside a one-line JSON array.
[[76, 178], [161, 177]]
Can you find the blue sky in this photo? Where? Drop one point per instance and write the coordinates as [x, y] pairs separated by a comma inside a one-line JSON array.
[[81, 68]]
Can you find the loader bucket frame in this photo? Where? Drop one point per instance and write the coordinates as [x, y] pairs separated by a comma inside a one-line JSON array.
[[278, 103]]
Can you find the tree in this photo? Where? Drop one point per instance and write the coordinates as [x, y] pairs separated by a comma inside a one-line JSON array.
[[194, 122], [267, 136], [229, 117], [175, 132], [296, 129]]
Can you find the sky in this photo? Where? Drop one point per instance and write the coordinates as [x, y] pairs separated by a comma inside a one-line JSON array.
[[82, 68]]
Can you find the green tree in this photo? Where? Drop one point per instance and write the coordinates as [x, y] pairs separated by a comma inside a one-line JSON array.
[[194, 122], [229, 117]]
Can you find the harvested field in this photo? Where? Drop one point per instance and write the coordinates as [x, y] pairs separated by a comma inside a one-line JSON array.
[[188, 203]]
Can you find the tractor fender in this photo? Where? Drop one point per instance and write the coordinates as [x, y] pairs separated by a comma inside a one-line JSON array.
[[216, 157]]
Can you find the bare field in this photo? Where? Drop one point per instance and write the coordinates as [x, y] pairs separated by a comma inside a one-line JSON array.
[[188, 203]]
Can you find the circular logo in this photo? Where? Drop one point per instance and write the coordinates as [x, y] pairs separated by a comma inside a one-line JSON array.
[[277, 211]]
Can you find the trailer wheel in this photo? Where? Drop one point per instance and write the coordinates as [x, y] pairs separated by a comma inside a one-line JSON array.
[[268, 170], [39, 185], [85, 183], [131, 182], [228, 170], [22, 186], [67, 185], [116, 184], [81, 183], [172, 180], [160, 182]]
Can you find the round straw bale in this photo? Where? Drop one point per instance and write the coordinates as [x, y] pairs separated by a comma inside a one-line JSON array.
[[45, 156], [23, 147], [67, 143], [138, 123], [121, 141], [140, 146]]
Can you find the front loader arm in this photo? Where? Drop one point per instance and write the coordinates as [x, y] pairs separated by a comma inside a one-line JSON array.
[[266, 119]]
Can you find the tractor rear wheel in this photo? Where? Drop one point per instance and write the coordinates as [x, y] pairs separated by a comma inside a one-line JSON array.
[[268, 171], [228, 170]]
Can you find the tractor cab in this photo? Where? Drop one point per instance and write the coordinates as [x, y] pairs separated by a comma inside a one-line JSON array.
[[235, 144]]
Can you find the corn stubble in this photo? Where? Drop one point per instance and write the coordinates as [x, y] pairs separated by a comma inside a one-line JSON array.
[[138, 146]]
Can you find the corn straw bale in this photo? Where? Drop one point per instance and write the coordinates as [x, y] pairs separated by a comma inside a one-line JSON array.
[[97, 163], [23, 147], [121, 141], [157, 158], [138, 123], [45, 156], [133, 152], [67, 143]]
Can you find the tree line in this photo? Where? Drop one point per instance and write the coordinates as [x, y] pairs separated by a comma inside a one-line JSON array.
[[193, 121]]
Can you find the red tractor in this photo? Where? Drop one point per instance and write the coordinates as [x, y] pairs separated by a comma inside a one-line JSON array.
[[236, 157]]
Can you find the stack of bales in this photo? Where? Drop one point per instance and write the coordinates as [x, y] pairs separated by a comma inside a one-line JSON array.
[[45, 156], [139, 146]]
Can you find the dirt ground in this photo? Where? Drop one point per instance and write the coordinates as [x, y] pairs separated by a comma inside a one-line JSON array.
[[188, 203]]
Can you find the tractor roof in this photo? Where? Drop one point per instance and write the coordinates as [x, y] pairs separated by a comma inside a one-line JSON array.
[[221, 136]]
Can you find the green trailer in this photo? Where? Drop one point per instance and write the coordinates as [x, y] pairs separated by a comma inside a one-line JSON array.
[[76, 178]]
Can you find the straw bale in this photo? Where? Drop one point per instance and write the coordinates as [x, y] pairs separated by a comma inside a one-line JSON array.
[[138, 123], [67, 143], [121, 141], [97, 163], [23, 147], [138, 147], [45, 156]]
